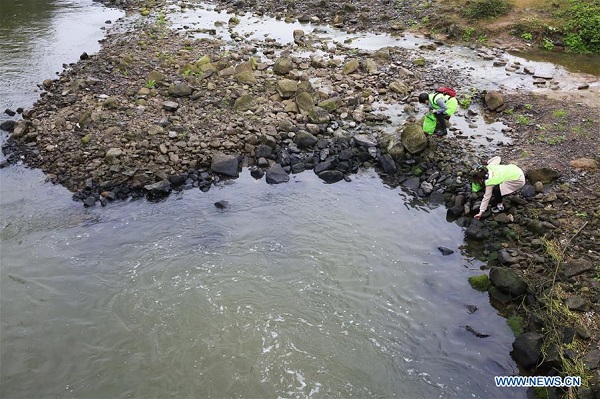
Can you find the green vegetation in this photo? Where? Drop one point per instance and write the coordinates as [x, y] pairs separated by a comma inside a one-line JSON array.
[[468, 34], [547, 44], [559, 113], [581, 25], [150, 84], [523, 119], [486, 9], [527, 36], [480, 283], [515, 323]]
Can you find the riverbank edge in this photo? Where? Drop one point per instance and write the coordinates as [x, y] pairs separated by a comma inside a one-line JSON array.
[[489, 235]]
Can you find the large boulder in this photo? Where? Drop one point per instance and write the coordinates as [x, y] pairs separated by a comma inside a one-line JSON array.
[[225, 164], [494, 100], [527, 349], [544, 175], [413, 138], [276, 174], [508, 281]]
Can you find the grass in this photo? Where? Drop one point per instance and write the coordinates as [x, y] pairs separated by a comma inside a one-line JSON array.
[[523, 119]]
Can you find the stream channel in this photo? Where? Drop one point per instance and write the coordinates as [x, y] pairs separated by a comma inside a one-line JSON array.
[[295, 290]]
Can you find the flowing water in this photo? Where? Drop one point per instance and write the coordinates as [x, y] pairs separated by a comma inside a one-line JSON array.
[[295, 290]]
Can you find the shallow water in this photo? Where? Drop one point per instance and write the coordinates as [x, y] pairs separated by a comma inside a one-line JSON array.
[[296, 290]]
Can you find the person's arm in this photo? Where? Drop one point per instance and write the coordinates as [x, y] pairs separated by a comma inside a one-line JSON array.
[[485, 201], [442, 104], [494, 161]]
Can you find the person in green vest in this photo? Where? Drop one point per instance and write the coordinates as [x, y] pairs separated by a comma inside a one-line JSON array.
[[442, 106], [498, 180]]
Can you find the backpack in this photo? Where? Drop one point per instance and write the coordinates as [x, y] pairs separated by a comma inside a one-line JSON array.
[[447, 90]]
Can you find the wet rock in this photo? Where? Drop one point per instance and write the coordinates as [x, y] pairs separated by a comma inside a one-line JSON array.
[[527, 349], [426, 187], [413, 138], [304, 139], [387, 163], [286, 88], [276, 174], [544, 175], [508, 281], [494, 100], [159, 189], [225, 164], [350, 67], [8, 126], [331, 176], [445, 251], [476, 231], [222, 204], [283, 66], [257, 173]]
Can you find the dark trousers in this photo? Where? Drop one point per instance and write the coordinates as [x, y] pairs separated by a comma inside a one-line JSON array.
[[441, 120], [496, 196]]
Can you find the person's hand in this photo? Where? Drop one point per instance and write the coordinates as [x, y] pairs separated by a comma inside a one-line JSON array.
[[478, 216]]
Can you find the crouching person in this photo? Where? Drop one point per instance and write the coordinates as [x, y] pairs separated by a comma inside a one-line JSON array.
[[498, 180]]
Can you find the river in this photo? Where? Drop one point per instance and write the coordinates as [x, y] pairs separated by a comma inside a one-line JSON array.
[[295, 290]]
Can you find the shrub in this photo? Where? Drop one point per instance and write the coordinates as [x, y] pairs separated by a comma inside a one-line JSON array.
[[486, 9], [582, 25]]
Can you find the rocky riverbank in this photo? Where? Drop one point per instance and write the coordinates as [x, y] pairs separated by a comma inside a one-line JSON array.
[[157, 110]]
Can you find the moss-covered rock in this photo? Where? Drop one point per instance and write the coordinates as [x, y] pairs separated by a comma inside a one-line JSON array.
[[480, 282]]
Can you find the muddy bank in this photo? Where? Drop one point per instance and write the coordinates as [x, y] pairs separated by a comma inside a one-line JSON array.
[[157, 111]]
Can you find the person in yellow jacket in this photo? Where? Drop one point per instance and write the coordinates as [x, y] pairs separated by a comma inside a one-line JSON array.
[[442, 106], [499, 180]]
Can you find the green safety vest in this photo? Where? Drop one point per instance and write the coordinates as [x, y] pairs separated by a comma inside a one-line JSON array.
[[451, 102], [501, 173]]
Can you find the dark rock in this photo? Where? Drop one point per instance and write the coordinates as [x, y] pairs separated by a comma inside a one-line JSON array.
[[331, 176], [528, 191], [508, 281], [276, 174], [591, 360], [177, 180], [222, 204], [506, 258], [527, 349], [575, 267], [471, 309], [257, 173], [298, 168], [9, 112], [304, 139], [577, 303], [568, 334], [476, 231], [225, 164], [89, 201], [476, 333], [327, 165], [387, 163], [8, 126], [445, 251], [264, 151], [159, 189]]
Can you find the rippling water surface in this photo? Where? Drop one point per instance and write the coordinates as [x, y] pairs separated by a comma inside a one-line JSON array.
[[296, 290]]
